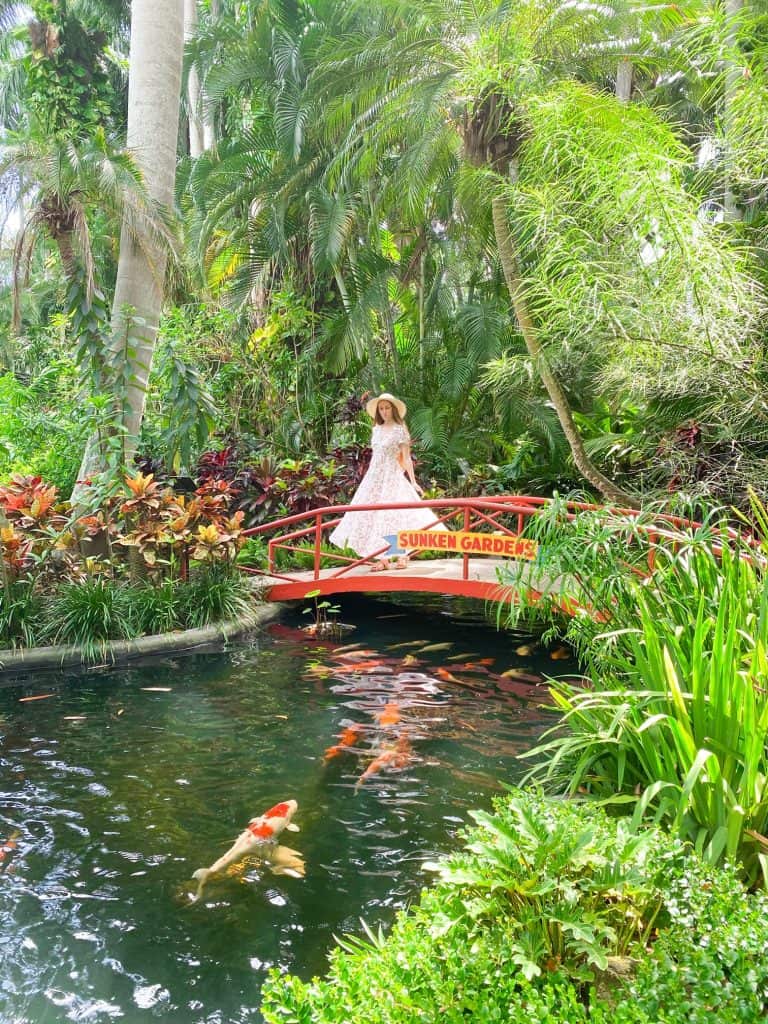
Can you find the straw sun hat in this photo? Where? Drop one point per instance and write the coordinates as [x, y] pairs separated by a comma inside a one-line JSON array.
[[372, 404]]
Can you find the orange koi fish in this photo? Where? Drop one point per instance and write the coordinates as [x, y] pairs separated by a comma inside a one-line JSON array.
[[8, 847], [258, 839], [360, 666], [389, 715], [392, 756], [443, 673], [347, 739], [560, 654]]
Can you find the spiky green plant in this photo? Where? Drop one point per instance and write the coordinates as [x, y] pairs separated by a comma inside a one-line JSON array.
[[213, 594], [675, 721], [89, 614]]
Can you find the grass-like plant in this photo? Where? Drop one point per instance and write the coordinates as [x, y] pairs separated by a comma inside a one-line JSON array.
[[20, 614], [155, 608], [676, 721], [214, 592], [89, 613]]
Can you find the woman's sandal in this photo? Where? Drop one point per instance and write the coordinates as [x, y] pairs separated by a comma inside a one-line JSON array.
[[401, 563], [379, 567]]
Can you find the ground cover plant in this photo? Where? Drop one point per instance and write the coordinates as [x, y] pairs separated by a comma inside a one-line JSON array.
[[673, 725], [144, 561], [551, 912]]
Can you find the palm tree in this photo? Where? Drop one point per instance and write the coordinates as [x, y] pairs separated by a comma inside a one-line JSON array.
[[493, 95], [62, 184], [157, 46]]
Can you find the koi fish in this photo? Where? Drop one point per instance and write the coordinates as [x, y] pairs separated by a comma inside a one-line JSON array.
[[437, 647], [360, 666], [410, 659], [443, 673], [516, 673], [389, 715], [258, 839], [525, 650], [8, 847], [347, 739], [392, 756], [560, 653], [353, 653]]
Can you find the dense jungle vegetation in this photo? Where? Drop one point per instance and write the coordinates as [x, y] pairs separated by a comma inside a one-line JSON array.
[[543, 225]]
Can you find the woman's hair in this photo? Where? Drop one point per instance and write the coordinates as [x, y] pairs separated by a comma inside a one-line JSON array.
[[395, 414]]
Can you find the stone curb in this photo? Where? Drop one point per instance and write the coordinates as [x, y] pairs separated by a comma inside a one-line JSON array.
[[68, 656]]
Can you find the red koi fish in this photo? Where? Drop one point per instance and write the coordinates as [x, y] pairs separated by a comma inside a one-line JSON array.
[[258, 839], [393, 757], [348, 738], [443, 673]]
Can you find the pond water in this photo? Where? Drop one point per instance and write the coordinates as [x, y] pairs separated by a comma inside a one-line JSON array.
[[117, 785]]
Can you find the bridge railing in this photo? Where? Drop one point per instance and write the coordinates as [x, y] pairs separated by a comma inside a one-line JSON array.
[[506, 514]]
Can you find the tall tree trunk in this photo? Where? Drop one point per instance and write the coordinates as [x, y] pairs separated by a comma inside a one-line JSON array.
[[194, 99], [209, 128], [624, 73], [509, 264], [154, 85]]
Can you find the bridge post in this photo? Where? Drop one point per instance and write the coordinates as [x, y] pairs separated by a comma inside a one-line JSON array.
[[465, 556], [318, 535]]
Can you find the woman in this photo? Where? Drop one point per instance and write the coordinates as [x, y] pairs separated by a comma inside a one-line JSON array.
[[369, 532]]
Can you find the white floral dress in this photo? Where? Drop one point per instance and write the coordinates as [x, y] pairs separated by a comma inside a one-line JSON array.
[[367, 532]]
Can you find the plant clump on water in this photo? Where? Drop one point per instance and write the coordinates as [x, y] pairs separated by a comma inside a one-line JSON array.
[[146, 561], [671, 625], [552, 912]]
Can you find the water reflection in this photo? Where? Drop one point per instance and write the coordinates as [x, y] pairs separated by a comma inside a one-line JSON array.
[[118, 785]]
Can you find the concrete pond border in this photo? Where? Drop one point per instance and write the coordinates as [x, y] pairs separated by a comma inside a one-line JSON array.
[[117, 652]]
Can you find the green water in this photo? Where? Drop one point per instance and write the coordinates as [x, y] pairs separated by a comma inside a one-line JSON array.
[[119, 793]]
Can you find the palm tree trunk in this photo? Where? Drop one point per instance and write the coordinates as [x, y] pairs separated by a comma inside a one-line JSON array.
[[624, 74], [196, 135], [209, 128], [154, 86], [509, 264]]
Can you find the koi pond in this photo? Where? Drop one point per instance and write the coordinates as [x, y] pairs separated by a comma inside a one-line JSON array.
[[118, 784]]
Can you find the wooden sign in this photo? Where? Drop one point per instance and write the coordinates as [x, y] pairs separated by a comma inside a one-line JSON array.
[[503, 545]]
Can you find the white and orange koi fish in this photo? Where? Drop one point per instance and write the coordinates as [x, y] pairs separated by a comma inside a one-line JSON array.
[[259, 839]]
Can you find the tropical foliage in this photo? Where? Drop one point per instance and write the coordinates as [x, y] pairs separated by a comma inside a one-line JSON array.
[[672, 627], [147, 561], [551, 912]]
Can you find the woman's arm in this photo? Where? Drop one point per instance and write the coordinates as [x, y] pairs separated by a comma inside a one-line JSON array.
[[405, 460]]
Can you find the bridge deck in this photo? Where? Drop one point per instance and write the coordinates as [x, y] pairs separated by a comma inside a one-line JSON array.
[[438, 575]]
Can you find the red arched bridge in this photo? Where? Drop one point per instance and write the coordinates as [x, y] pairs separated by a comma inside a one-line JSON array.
[[481, 535]]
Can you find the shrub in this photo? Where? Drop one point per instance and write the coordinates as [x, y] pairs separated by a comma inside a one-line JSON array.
[[524, 926]]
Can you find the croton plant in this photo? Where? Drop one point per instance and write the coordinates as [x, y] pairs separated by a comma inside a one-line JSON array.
[[147, 530]]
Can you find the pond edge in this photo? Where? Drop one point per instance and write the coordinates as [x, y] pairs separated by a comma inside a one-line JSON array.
[[63, 656]]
